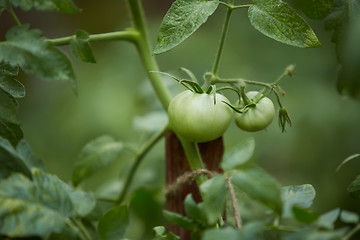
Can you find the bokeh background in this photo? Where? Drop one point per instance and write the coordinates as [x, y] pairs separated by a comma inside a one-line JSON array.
[[114, 92]]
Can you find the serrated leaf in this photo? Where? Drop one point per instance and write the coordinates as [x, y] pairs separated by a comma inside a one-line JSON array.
[[213, 192], [80, 47], [64, 6], [239, 155], [259, 185], [95, 155], [36, 207], [304, 215], [279, 21], [354, 188], [327, 220], [8, 83], [349, 217], [26, 155], [113, 224], [301, 196], [183, 18], [179, 220], [11, 132], [315, 9], [225, 233], [35, 55], [8, 108], [10, 161]]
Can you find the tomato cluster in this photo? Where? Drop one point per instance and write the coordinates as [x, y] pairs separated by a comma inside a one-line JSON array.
[[202, 117]]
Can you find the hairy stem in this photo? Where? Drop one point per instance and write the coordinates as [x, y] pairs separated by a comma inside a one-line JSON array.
[[128, 35], [234, 204], [138, 159]]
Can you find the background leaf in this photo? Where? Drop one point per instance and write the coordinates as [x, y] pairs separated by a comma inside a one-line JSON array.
[[327, 220], [301, 196], [213, 192], [26, 155], [304, 215], [354, 188], [349, 217], [183, 18], [315, 9], [35, 55], [279, 21], [259, 185], [113, 224], [64, 6], [225, 233], [95, 155], [8, 83], [80, 47], [239, 154]]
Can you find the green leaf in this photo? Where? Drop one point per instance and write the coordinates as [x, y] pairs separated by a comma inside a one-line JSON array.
[[64, 6], [8, 108], [80, 47], [315, 9], [179, 220], [238, 155], [301, 196], [193, 210], [354, 188], [10, 161], [345, 21], [279, 21], [213, 192], [5, 4], [113, 224], [224, 233], [36, 207], [11, 132], [83, 202], [304, 215], [8, 83], [327, 220], [312, 233], [26, 155], [35, 55], [259, 185], [349, 217], [95, 155], [183, 18], [254, 230]]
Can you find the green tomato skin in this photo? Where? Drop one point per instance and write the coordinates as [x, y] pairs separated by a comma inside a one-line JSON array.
[[256, 118], [195, 117]]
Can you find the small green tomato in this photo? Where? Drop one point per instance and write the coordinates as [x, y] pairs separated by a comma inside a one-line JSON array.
[[195, 117], [257, 117]]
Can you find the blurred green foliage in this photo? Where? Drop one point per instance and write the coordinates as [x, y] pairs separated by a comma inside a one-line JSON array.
[[57, 124]]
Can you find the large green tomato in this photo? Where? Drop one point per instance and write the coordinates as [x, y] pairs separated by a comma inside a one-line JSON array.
[[257, 117], [195, 117]]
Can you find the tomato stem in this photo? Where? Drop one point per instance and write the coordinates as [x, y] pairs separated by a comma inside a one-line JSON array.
[[13, 15], [225, 28]]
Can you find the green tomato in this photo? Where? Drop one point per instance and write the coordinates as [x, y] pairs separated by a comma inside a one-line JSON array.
[[257, 117], [195, 117]]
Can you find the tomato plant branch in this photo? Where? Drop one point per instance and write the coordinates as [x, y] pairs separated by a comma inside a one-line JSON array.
[[230, 6], [138, 159], [128, 35], [84, 233], [145, 51], [13, 15], [225, 28], [351, 233]]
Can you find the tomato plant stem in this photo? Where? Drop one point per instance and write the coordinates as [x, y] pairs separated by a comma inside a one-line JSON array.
[[138, 159], [128, 35], [84, 233], [215, 68], [145, 51], [13, 15], [234, 204], [151, 66], [352, 232]]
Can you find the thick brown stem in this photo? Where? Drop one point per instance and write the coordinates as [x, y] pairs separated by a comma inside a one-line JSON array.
[[177, 165]]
